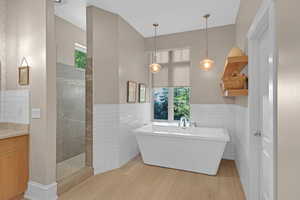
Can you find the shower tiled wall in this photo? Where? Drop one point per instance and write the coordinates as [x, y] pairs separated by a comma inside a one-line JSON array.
[[70, 138]]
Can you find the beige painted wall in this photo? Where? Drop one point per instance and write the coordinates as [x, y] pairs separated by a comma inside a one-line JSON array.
[[244, 20], [132, 59], [3, 14], [102, 42], [118, 56], [30, 34], [205, 85], [67, 35], [13, 57], [50, 135], [288, 99]]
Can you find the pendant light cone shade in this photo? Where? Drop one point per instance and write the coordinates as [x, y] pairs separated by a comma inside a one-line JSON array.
[[154, 66], [207, 63]]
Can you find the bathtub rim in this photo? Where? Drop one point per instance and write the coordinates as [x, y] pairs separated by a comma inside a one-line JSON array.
[[224, 138]]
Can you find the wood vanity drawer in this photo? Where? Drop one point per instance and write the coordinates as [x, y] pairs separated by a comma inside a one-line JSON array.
[[8, 145], [14, 166]]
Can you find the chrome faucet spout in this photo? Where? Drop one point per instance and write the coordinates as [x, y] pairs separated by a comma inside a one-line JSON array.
[[184, 122]]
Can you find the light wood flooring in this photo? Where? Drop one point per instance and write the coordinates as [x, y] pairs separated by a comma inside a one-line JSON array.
[[137, 181]]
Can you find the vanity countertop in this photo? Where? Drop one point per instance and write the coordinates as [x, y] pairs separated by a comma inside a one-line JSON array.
[[8, 130]]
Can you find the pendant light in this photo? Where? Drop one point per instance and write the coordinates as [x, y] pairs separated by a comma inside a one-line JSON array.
[[206, 64], [154, 66]]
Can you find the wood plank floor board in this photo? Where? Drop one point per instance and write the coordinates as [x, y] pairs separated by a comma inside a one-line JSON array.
[[137, 181]]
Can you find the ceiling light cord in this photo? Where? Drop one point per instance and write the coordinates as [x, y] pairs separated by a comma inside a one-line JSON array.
[[155, 44], [206, 32], [154, 66], [206, 40], [206, 64]]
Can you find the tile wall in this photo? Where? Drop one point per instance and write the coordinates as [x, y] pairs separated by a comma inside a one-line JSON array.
[[70, 140], [217, 116], [114, 143], [15, 106]]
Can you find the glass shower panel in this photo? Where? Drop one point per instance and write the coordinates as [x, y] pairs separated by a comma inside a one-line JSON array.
[[70, 119]]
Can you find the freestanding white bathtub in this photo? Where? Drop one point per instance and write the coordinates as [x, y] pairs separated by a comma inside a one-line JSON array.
[[193, 149]]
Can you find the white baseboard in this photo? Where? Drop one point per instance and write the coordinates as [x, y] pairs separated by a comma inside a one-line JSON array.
[[37, 191], [229, 156], [100, 170]]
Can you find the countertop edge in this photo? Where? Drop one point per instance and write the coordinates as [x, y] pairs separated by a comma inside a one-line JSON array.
[[12, 135]]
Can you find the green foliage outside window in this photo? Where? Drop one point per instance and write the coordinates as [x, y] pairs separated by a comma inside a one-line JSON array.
[[181, 103], [160, 103], [80, 59]]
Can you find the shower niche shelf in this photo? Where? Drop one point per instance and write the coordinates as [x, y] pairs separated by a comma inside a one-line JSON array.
[[233, 83]]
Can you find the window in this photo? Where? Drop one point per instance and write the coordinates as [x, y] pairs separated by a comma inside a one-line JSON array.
[[171, 86], [171, 103], [181, 103], [160, 96], [80, 56], [181, 55]]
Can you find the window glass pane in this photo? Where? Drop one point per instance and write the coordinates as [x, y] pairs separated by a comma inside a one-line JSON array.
[[160, 96], [80, 59], [181, 102]]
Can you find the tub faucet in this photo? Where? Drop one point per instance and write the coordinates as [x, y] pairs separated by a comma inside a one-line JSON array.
[[184, 122]]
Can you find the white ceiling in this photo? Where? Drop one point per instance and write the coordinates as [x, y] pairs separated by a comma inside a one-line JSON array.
[[173, 15]]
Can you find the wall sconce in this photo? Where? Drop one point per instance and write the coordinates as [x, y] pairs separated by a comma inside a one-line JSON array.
[[24, 72]]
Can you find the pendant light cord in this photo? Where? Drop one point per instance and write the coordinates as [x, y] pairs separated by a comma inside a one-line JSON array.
[[155, 38], [206, 17], [155, 48]]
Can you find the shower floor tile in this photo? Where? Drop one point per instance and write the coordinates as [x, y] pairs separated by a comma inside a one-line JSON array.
[[70, 166]]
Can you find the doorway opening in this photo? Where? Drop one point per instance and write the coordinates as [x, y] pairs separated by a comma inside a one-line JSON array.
[[74, 101]]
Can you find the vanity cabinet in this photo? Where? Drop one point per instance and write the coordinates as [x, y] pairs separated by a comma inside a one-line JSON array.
[[13, 167]]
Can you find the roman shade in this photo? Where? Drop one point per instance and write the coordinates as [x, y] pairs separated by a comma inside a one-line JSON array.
[[175, 69]]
